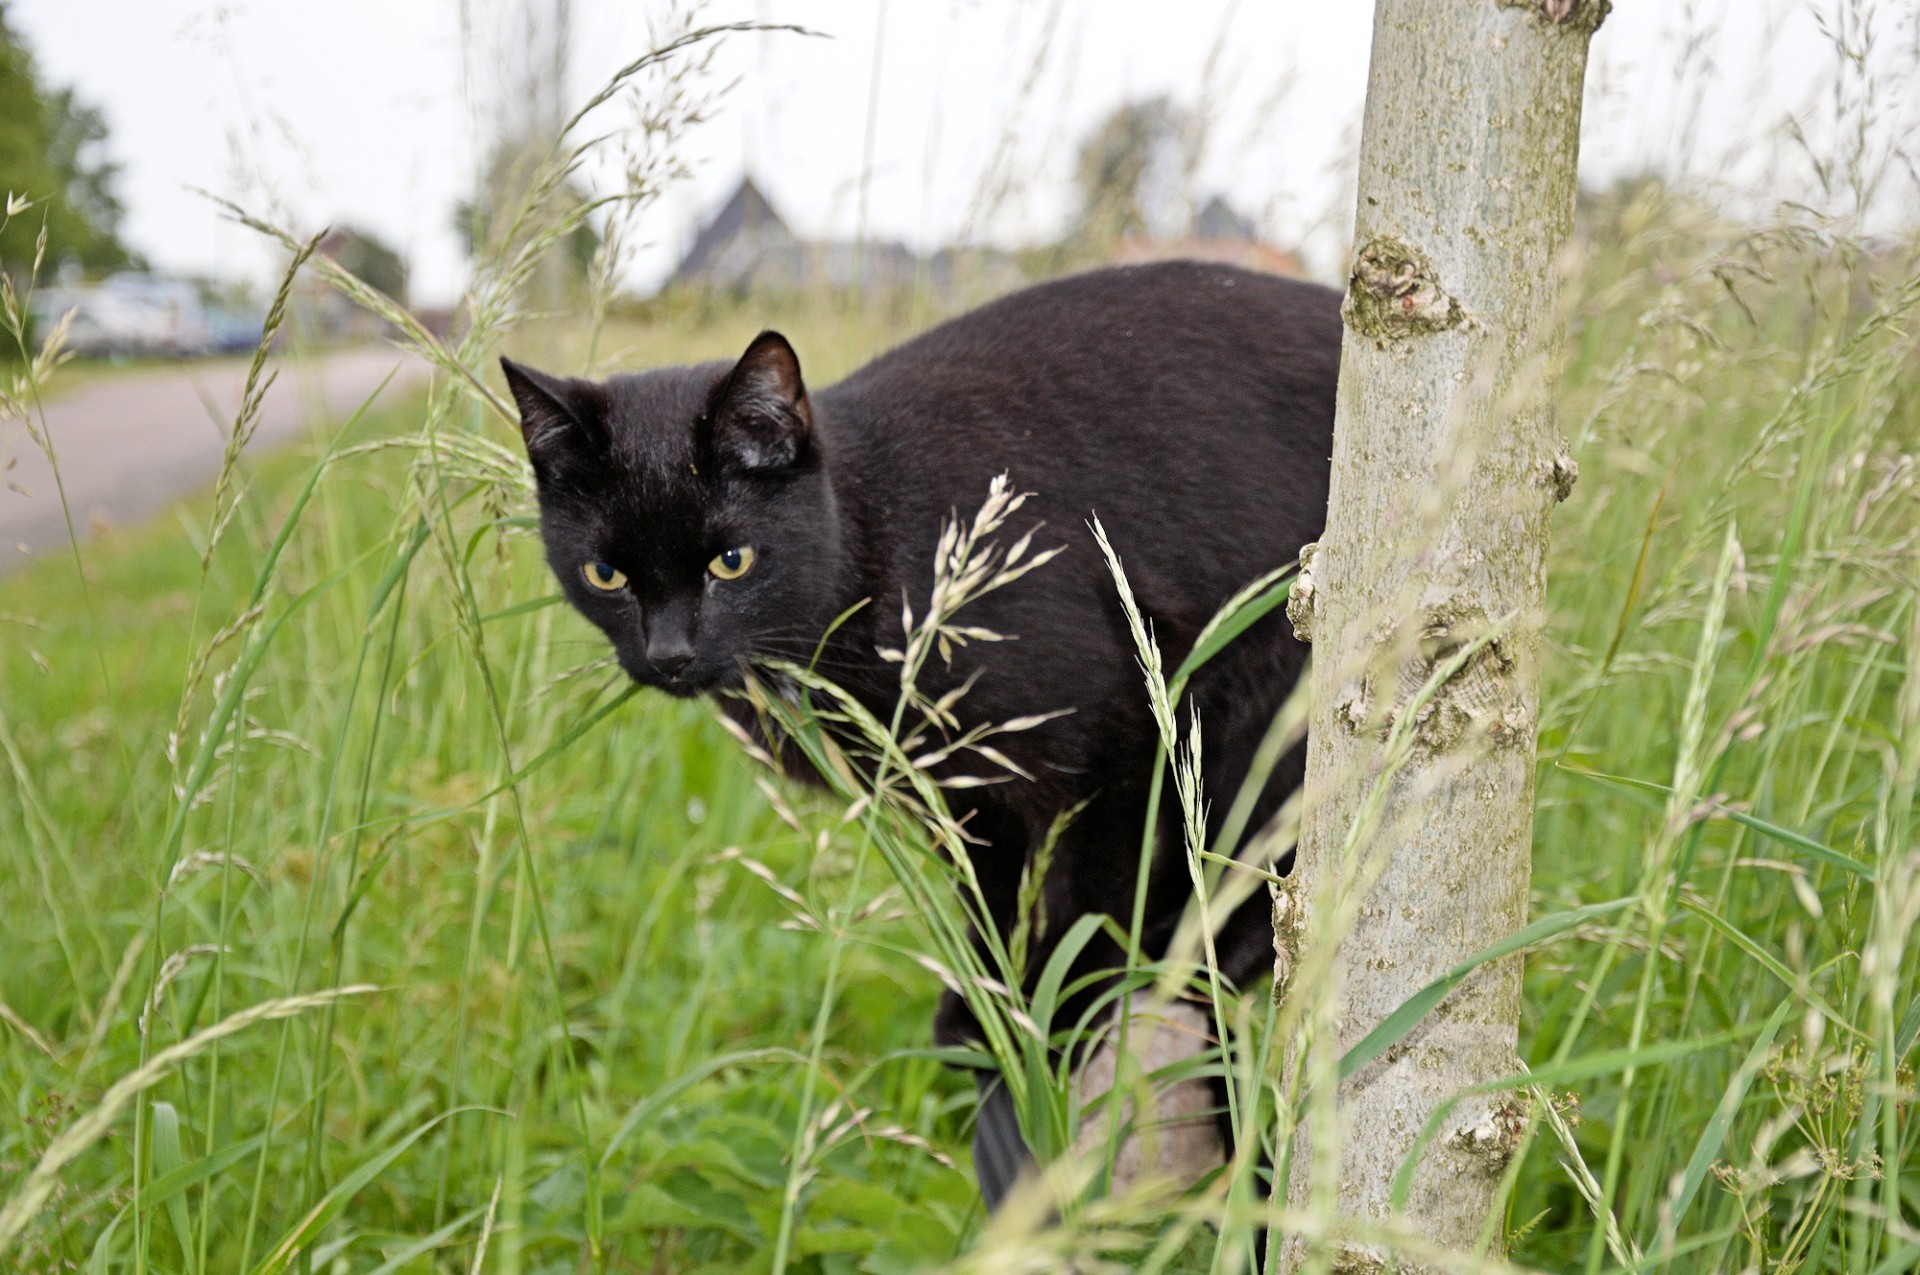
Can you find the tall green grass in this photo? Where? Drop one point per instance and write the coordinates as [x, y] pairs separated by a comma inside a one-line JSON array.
[[357, 917], [1732, 740]]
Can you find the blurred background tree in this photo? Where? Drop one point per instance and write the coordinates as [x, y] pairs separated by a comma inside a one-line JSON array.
[[487, 224], [53, 151], [370, 257], [1130, 174]]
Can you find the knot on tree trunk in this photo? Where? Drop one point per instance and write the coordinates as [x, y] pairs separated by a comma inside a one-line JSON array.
[[1562, 472], [1358, 1259], [1490, 1141], [1289, 928], [1478, 695], [1300, 594], [1582, 15], [1393, 293]]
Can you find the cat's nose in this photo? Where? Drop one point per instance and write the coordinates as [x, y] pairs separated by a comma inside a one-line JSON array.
[[670, 636], [670, 660]]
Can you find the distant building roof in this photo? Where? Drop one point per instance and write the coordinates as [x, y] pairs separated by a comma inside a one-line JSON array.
[[747, 247], [1218, 220]]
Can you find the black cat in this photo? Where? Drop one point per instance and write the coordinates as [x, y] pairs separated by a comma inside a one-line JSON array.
[[704, 515]]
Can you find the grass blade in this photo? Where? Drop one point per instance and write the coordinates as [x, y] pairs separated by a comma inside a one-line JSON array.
[[427, 1243], [1769, 962], [1715, 1133], [1604, 1063], [1396, 1025], [1242, 611], [288, 1250], [86, 1130], [1787, 836]]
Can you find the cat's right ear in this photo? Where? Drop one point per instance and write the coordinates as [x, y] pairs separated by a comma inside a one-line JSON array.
[[562, 419]]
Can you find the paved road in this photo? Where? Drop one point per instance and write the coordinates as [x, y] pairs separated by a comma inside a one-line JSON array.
[[129, 445]]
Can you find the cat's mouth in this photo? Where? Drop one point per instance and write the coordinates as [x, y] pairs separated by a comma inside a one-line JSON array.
[[681, 683], [686, 684], [689, 682]]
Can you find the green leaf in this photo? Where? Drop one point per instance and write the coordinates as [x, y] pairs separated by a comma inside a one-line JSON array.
[[98, 1261], [648, 1208], [651, 1105], [709, 1205], [1824, 853], [810, 1240], [860, 1203], [523, 608], [168, 1160], [1396, 1025], [1899, 1261], [1046, 992], [710, 1156], [1909, 1028], [164, 1188]]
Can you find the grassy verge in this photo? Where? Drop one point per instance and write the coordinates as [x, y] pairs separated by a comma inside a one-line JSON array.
[[330, 847]]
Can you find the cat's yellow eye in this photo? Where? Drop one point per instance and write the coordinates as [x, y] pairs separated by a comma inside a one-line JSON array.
[[732, 564], [604, 576]]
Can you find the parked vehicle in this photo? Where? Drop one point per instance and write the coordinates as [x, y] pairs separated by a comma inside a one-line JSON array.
[[133, 315]]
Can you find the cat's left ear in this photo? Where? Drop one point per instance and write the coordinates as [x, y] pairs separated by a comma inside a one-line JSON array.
[[760, 418], [562, 419]]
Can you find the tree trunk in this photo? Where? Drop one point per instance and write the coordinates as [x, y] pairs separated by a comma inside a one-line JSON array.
[[1423, 601]]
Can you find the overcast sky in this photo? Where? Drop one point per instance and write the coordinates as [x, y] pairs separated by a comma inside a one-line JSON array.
[[373, 111]]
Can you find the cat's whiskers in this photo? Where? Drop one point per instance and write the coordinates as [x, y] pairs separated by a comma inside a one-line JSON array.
[[801, 644], [800, 638], [806, 661]]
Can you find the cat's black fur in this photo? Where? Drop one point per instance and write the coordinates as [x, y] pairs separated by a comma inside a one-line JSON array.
[[1190, 406]]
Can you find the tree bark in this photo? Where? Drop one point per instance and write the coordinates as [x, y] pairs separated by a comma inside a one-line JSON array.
[[1423, 598]]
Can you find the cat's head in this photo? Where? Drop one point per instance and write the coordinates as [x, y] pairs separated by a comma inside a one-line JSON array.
[[687, 511]]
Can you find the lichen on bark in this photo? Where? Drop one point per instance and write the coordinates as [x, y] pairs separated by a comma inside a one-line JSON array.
[[1478, 701], [1355, 1259]]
